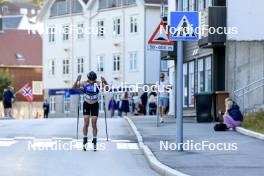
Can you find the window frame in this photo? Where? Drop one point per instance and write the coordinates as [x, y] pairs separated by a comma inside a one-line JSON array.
[[66, 66], [80, 65], [100, 63], [117, 26], [116, 62], [133, 60], [133, 24]]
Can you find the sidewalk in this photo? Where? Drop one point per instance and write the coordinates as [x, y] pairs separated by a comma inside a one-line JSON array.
[[247, 160]]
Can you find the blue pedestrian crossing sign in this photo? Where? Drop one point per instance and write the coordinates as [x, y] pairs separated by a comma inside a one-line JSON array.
[[184, 26]]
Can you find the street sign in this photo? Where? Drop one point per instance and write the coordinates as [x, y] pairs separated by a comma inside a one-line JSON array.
[[184, 26], [160, 39]]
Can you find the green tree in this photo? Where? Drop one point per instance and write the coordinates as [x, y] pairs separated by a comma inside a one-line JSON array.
[[2, 1], [5, 80], [38, 2]]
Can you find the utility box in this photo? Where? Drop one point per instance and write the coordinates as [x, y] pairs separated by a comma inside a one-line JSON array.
[[203, 106], [220, 97]]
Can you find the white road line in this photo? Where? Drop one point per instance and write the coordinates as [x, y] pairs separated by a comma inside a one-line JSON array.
[[127, 146], [23, 138], [7, 143]]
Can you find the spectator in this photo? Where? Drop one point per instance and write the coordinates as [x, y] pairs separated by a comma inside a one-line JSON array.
[[119, 107], [46, 108], [144, 101], [233, 116], [139, 108], [163, 87], [134, 101], [152, 104], [125, 103], [8, 98], [112, 106]]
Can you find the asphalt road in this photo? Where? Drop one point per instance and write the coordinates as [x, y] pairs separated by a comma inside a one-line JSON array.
[[49, 147]]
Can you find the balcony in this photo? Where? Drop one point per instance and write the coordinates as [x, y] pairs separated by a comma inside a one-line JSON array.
[[106, 4], [213, 17]]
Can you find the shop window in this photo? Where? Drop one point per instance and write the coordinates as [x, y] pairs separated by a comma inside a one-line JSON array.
[[208, 74], [191, 84], [185, 85], [200, 75]]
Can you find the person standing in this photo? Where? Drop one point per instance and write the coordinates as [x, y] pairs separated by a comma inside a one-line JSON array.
[[112, 106], [8, 97], [91, 89], [144, 101], [152, 104], [163, 88], [125, 103], [46, 108]]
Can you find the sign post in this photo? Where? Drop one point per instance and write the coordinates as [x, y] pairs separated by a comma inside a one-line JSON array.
[[185, 25]]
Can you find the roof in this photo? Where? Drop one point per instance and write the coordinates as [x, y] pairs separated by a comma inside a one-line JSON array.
[[48, 4], [20, 44], [11, 22]]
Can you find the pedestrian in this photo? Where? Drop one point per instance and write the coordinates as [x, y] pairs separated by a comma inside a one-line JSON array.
[[163, 88], [91, 89], [125, 103], [134, 101], [46, 108], [8, 98], [112, 106], [144, 101], [152, 104]]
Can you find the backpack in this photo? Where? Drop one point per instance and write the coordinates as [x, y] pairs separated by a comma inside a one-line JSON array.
[[220, 127], [235, 113]]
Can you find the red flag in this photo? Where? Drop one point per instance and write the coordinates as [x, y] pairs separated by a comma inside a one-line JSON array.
[[26, 92]]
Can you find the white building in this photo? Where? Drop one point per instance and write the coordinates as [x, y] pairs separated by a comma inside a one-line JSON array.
[[114, 47]]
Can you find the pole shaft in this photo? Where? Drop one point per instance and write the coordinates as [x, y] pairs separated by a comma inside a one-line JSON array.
[[179, 96]]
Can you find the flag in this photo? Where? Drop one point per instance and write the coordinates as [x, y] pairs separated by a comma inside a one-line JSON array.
[[26, 91]]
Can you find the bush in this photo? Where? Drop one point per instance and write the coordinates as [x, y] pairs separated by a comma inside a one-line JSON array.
[[5, 80], [254, 121]]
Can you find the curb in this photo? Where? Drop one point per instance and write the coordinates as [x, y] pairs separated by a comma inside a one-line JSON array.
[[250, 133], [154, 163]]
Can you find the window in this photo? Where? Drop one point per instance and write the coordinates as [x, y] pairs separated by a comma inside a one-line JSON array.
[[191, 84], [80, 31], [100, 28], [51, 34], [33, 11], [164, 66], [100, 63], [117, 26], [67, 104], [23, 11], [200, 75], [133, 61], [52, 104], [116, 63], [192, 5], [208, 74], [80, 62], [62, 7], [185, 85], [201, 4], [186, 5], [51, 67], [66, 33], [133, 24], [66, 67]]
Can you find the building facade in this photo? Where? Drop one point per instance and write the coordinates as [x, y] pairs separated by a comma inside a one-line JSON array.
[[110, 39], [223, 62], [24, 64]]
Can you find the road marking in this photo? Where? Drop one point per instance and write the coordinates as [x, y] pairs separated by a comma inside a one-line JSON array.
[[127, 146], [122, 141], [23, 138], [7, 143]]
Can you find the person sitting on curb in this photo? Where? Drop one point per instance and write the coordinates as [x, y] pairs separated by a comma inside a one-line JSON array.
[[233, 116]]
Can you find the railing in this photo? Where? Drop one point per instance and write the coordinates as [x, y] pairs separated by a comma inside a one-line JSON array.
[[240, 93]]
